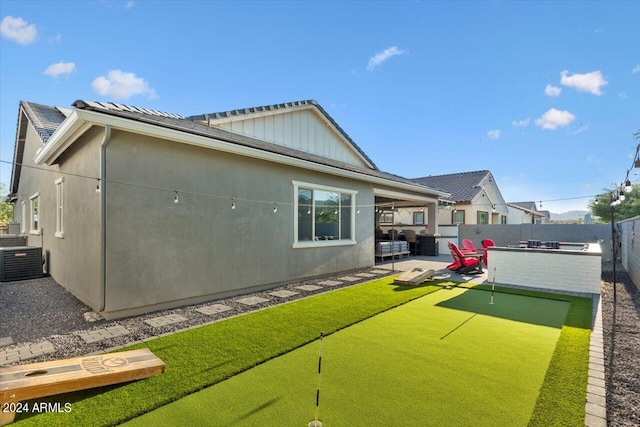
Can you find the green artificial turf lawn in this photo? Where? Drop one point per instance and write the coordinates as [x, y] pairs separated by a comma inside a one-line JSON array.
[[449, 358], [204, 356]]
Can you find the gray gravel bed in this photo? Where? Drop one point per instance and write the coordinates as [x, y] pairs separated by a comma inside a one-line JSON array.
[[37, 310], [621, 335]]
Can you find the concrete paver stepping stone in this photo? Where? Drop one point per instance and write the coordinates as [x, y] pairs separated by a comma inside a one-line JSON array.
[[252, 300], [103, 333], [365, 275], [210, 310], [330, 283], [348, 278], [165, 320], [309, 288], [6, 341], [381, 271], [284, 293]]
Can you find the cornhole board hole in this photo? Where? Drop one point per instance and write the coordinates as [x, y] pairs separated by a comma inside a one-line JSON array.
[[415, 276], [25, 382]]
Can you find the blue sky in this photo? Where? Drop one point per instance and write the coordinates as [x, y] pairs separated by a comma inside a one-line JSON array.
[[545, 95]]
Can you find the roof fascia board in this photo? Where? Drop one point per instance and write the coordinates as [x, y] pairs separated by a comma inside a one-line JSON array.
[[67, 133], [403, 196], [82, 120]]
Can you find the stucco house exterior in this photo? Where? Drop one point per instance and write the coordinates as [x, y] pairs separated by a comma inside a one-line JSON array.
[[139, 210], [474, 198], [527, 213]]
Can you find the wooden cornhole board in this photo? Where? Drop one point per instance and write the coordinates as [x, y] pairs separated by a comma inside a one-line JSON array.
[[19, 383], [415, 276]]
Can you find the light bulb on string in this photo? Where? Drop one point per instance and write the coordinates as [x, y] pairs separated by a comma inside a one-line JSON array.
[[627, 187], [233, 204], [98, 187], [176, 200], [275, 207]]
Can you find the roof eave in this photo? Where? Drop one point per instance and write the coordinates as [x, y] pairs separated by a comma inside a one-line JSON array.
[[79, 121]]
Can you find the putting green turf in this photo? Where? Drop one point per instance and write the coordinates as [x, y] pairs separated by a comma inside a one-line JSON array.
[[448, 358]]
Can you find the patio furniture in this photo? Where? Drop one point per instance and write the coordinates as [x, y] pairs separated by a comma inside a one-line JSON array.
[[392, 249], [486, 243], [468, 262], [393, 234], [467, 246], [410, 237], [428, 245]]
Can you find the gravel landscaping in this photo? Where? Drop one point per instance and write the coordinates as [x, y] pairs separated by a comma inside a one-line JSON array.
[[37, 310], [621, 347]]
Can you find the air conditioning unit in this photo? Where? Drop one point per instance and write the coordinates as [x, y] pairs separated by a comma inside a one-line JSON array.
[[8, 240], [20, 263]]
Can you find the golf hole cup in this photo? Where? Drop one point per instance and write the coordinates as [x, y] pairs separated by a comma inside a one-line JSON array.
[[315, 423]]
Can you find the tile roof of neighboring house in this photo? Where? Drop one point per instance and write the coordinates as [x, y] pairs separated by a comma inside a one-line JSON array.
[[463, 186], [176, 122], [45, 119], [286, 105]]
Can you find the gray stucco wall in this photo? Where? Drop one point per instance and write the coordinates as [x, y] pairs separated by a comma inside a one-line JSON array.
[[161, 254], [72, 261], [630, 248], [511, 234]]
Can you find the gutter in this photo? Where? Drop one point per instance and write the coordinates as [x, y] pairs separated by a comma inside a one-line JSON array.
[[103, 215]]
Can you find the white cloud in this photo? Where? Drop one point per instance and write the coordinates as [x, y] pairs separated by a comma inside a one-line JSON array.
[[589, 82], [380, 57], [60, 68], [552, 90], [636, 69], [121, 85], [18, 30], [520, 123], [493, 134], [129, 5], [553, 119]]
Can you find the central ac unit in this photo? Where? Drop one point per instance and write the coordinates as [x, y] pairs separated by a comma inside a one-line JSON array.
[[12, 240], [20, 263]]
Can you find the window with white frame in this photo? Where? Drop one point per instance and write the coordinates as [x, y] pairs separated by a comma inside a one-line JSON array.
[[60, 207], [23, 218], [324, 216], [34, 214]]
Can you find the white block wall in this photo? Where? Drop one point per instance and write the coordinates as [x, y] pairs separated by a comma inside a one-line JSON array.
[[564, 271]]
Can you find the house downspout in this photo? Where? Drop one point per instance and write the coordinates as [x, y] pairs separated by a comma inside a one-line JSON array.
[[103, 214]]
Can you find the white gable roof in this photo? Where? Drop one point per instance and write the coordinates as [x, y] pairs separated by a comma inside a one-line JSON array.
[[301, 125]]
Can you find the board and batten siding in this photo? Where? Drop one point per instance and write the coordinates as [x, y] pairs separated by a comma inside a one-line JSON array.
[[302, 130]]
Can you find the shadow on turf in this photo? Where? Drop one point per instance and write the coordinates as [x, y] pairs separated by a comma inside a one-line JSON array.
[[255, 410], [518, 308]]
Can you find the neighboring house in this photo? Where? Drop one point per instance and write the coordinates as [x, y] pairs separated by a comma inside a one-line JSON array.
[[526, 213], [138, 210], [474, 198]]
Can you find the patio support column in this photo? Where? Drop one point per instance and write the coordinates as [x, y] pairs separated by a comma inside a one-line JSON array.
[[432, 217]]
